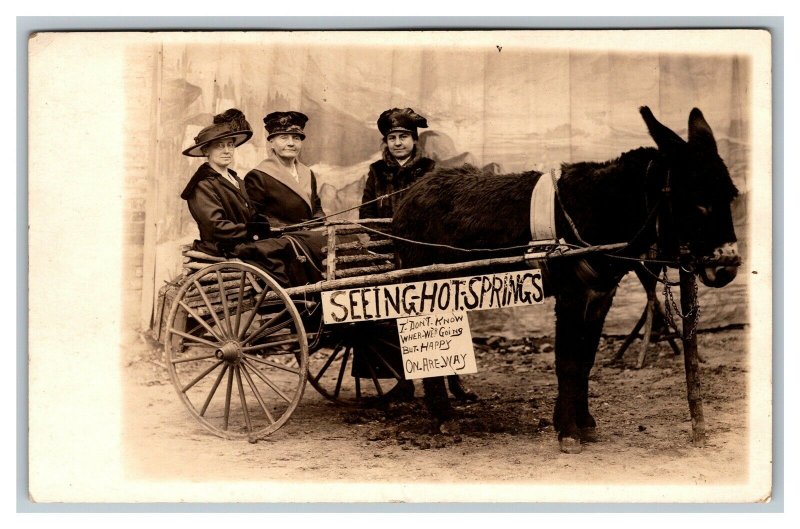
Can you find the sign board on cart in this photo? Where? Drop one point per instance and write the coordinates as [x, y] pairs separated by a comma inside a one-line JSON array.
[[432, 323], [436, 345], [439, 296]]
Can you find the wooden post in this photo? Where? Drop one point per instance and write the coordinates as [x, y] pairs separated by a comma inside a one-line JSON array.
[[690, 359]]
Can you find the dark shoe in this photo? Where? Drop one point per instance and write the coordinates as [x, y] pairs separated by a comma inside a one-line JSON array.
[[459, 390], [402, 392]]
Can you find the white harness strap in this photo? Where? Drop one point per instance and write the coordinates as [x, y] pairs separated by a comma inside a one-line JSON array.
[[543, 207]]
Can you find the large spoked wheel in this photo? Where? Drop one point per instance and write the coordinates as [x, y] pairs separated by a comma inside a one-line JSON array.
[[332, 374], [236, 350]]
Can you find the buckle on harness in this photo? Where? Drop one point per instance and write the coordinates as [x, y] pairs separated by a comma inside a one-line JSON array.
[[541, 249]]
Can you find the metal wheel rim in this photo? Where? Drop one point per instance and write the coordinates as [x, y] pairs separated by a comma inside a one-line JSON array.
[[301, 355]]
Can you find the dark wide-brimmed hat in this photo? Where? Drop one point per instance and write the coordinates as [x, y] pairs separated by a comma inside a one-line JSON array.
[[290, 122], [229, 124], [401, 119]]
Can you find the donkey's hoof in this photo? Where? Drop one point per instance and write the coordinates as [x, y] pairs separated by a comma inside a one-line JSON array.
[[570, 445], [589, 435], [450, 427]]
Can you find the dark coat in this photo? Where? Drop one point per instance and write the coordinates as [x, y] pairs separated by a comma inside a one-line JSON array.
[[276, 194], [226, 218], [220, 209], [387, 176], [380, 339]]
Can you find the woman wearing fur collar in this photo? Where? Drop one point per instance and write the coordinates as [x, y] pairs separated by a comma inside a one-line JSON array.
[[402, 163]]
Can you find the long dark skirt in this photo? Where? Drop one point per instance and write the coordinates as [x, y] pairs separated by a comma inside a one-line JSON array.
[[293, 259], [376, 350]]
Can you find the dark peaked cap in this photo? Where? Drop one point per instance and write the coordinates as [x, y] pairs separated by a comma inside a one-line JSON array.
[[290, 122], [400, 119]]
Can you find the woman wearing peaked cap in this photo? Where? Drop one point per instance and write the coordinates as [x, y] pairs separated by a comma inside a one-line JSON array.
[[228, 222], [402, 163], [284, 189]]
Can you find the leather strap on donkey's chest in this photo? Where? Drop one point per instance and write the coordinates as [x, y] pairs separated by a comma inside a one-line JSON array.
[[543, 230], [543, 207]]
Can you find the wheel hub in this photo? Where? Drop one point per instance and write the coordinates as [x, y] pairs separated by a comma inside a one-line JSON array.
[[230, 352]]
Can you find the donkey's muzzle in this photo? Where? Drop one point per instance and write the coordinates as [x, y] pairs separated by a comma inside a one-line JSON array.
[[720, 268]]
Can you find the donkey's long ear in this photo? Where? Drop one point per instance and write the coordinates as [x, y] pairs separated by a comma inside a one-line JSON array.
[[666, 140], [700, 133]]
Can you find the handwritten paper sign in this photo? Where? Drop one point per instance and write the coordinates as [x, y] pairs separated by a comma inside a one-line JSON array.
[[436, 345], [490, 291]]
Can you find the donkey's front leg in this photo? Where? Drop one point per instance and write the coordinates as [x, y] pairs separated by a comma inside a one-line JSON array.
[[570, 347], [598, 304]]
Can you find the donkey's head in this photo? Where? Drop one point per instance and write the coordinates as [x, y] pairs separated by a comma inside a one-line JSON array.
[[700, 195]]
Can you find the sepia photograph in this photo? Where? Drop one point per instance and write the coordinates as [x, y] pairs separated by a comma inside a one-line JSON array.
[[400, 266]]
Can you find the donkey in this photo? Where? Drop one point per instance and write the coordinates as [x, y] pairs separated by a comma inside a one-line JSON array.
[[672, 203]]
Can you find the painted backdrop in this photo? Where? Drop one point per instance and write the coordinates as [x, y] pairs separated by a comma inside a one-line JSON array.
[[517, 108]]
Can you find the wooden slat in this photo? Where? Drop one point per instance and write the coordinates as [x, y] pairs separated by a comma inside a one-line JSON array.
[[364, 258], [363, 270], [201, 256], [358, 245]]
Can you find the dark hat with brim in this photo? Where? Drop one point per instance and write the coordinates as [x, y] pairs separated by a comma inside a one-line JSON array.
[[229, 124], [289, 122], [400, 120]]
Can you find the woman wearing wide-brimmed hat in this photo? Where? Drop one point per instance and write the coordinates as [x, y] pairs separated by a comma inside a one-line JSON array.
[[402, 163], [283, 188], [226, 216]]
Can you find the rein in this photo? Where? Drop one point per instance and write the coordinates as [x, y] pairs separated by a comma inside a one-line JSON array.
[[652, 215]]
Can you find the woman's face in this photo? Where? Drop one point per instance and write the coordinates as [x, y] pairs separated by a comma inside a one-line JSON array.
[[220, 152], [400, 144], [287, 146]]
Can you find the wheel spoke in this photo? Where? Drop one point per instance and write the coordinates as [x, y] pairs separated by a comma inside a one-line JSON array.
[[224, 297], [242, 399], [209, 305], [200, 377], [255, 285], [374, 376], [390, 368], [213, 390], [271, 364], [194, 338], [266, 326], [253, 387], [263, 346], [327, 364], [228, 400], [253, 312], [200, 320], [269, 383], [263, 333], [341, 373], [239, 306], [194, 359]]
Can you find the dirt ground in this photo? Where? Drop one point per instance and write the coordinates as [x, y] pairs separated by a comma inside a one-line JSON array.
[[507, 435]]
